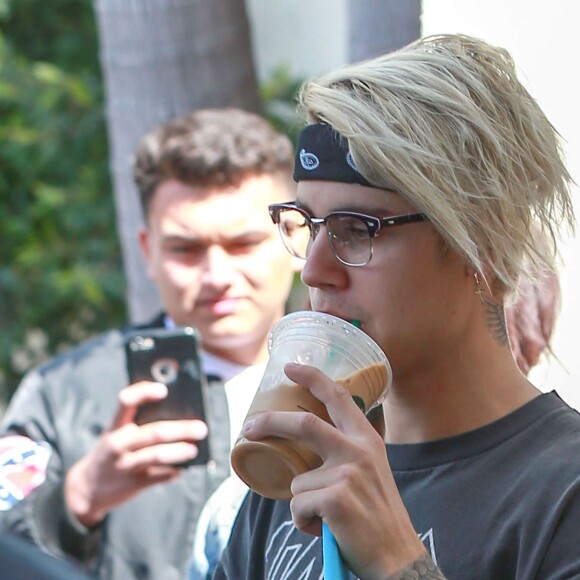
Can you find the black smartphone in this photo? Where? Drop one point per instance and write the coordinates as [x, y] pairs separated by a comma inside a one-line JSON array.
[[170, 356]]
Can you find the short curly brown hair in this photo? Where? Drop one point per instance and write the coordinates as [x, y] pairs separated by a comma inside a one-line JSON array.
[[210, 147]]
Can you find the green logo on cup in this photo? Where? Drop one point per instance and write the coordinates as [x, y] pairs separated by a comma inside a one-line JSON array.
[[359, 402]]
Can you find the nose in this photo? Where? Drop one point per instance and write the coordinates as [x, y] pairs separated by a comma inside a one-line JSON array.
[[322, 267], [218, 267], [315, 225]]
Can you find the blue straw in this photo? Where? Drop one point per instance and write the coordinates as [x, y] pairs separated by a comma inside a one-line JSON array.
[[334, 567]]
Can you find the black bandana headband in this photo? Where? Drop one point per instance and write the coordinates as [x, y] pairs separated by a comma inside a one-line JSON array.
[[322, 154]]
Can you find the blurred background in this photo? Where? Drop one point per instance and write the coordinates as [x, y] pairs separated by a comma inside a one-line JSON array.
[[82, 80]]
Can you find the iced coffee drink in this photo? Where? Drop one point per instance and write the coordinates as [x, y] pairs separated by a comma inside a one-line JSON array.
[[342, 352]]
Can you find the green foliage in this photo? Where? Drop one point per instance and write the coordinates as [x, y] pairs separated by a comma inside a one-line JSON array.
[[60, 268], [278, 95]]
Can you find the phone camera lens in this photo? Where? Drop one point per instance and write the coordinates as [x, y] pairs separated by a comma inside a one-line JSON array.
[[165, 370]]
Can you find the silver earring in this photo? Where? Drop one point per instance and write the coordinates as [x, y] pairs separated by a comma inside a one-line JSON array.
[[479, 290]]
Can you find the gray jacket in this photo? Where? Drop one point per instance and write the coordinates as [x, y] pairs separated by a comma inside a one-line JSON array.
[[67, 403]]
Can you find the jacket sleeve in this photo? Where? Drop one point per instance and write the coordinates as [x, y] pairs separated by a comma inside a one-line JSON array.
[[32, 472]]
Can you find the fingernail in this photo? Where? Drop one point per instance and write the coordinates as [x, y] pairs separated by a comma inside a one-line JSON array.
[[248, 426], [292, 365]]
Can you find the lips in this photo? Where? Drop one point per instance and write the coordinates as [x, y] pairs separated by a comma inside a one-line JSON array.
[[221, 305], [338, 315]]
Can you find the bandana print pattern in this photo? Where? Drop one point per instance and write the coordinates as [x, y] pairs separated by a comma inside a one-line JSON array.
[[22, 468]]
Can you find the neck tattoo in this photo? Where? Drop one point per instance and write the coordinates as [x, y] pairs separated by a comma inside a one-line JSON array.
[[495, 320]]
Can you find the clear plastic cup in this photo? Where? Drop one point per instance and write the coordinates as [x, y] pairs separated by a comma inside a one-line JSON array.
[[341, 351]]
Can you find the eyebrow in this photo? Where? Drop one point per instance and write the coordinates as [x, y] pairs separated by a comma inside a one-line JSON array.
[[188, 239], [181, 238]]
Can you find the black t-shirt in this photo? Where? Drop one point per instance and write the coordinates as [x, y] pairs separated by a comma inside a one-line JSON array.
[[502, 501]]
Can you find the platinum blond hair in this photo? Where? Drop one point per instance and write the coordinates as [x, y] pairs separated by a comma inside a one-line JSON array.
[[446, 123]]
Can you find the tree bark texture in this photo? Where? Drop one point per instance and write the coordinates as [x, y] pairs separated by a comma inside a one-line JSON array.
[[161, 59]]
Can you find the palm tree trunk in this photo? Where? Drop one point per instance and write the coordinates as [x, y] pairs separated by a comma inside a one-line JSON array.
[[160, 59]]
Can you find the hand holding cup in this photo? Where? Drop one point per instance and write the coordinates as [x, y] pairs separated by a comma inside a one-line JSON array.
[[341, 351]]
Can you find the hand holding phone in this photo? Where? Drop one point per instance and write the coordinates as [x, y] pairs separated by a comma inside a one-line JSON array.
[[169, 356]]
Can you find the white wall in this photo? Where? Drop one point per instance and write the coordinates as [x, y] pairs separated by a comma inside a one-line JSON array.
[[310, 38]]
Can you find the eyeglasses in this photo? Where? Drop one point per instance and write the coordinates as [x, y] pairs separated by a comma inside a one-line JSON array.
[[350, 233]]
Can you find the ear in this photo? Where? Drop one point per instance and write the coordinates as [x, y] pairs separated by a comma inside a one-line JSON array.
[[486, 281], [477, 277], [143, 240]]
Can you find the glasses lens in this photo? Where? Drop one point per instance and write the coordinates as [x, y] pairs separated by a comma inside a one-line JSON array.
[[295, 232], [350, 239]]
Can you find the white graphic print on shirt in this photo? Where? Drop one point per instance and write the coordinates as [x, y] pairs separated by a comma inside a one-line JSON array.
[[287, 553], [291, 555], [428, 541]]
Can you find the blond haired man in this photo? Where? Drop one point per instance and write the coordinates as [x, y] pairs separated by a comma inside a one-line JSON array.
[[421, 177]]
